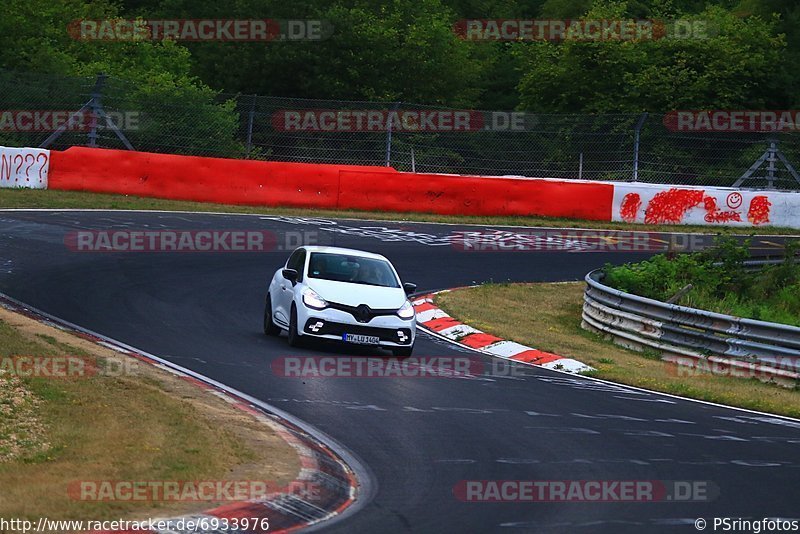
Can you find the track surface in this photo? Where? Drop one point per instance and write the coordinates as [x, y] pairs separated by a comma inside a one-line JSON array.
[[419, 437]]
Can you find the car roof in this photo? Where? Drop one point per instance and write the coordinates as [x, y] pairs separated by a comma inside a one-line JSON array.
[[340, 250]]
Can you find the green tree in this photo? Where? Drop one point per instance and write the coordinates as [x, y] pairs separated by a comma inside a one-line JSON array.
[[732, 67], [400, 50], [149, 77], [783, 92]]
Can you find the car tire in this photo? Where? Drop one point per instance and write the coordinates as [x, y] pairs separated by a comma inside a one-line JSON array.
[[294, 337], [403, 352], [270, 328]]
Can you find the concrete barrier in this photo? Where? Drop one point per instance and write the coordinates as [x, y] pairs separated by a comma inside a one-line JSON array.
[[714, 206], [267, 183], [326, 186]]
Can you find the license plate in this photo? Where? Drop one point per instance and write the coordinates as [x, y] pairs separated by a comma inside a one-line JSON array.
[[361, 339]]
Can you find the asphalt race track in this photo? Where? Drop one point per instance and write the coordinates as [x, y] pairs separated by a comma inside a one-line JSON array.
[[418, 437]]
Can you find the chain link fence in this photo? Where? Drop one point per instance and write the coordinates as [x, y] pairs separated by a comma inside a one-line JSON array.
[[615, 147]]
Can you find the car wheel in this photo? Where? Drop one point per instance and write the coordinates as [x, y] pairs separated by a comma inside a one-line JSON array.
[[270, 328], [294, 337], [403, 352]]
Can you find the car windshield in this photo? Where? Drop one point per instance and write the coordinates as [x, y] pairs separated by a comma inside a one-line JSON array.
[[352, 269]]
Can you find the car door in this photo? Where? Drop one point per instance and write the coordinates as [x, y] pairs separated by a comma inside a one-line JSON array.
[[283, 304]]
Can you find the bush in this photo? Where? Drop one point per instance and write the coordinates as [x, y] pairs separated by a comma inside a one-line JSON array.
[[719, 281]]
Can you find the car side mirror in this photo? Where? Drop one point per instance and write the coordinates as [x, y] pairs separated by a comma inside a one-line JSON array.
[[409, 288], [290, 274]]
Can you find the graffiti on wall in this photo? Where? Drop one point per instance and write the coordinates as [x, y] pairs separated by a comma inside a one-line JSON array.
[[662, 205]]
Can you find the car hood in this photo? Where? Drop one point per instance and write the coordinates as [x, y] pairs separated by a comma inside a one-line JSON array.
[[376, 297]]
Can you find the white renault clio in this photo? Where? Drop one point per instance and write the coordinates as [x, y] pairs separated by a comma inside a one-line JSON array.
[[344, 295]]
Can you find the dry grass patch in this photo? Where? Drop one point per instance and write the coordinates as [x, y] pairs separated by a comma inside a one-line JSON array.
[[141, 425], [52, 199], [548, 317]]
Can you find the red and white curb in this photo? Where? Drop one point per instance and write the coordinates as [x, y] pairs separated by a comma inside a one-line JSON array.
[[432, 318], [325, 487]]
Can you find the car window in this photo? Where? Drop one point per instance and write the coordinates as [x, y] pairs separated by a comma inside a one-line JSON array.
[[353, 269], [296, 261]]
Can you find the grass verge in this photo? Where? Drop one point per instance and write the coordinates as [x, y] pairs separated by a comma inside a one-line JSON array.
[[52, 199], [132, 422], [548, 317]]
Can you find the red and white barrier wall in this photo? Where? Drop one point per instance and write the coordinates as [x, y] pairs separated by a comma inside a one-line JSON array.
[[670, 204], [24, 167], [268, 183]]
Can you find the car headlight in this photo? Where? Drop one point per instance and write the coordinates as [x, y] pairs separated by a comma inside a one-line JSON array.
[[312, 300], [406, 311]]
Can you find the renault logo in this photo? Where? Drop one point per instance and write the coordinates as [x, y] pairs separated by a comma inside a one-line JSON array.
[[363, 313]]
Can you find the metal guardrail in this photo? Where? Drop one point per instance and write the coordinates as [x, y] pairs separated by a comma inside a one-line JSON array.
[[687, 335]]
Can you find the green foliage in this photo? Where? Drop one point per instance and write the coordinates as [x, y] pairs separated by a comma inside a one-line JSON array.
[[719, 281], [654, 74], [407, 50], [402, 50], [158, 83]]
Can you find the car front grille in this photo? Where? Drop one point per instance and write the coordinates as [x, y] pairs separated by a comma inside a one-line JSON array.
[[361, 313], [321, 327]]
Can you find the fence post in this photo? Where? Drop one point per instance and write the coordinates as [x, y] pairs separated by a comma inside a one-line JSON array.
[[580, 166], [95, 108], [637, 129], [773, 149], [389, 135], [250, 117], [771, 156]]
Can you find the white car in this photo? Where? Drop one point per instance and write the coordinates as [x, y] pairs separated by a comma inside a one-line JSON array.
[[344, 295]]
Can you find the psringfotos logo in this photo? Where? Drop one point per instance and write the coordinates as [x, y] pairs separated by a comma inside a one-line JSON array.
[[741, 524]]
